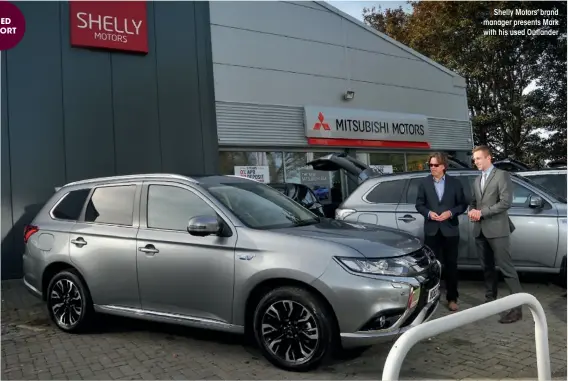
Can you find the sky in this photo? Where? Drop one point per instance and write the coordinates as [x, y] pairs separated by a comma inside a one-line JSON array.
[[355, 8]]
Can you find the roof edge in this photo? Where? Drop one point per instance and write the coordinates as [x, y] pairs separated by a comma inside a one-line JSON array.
[[400, 45]]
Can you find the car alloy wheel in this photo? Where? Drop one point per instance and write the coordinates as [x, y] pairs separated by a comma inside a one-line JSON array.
[[290, 331], [69, 302], [66, 303]]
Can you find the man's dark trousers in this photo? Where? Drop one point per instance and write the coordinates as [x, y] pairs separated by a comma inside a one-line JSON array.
[[446, 250], [443, 237]]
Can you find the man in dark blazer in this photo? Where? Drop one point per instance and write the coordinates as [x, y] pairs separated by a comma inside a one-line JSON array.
[[441, 200], [492, 198]]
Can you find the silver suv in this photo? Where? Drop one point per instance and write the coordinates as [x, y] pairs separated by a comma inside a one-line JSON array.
[[538, 243], [229, 254]]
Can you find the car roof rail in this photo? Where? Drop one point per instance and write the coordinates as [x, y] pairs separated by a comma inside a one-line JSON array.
[[141, 177]]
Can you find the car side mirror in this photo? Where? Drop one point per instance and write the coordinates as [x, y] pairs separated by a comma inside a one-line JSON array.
[[535, 201], [202, 226]]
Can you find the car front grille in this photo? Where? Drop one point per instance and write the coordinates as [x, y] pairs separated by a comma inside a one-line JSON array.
[[422, 257], [428, 280]]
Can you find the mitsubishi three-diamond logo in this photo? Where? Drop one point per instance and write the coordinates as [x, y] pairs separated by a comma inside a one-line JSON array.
[[321, 123]]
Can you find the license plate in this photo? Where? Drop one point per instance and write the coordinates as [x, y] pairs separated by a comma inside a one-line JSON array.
[[434, 293]]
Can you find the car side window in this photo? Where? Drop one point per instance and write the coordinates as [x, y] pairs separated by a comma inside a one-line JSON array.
[[555, 183], [387, 192], [412, 190], [112, 205], [171, 207], [70, 207], [521, 195]]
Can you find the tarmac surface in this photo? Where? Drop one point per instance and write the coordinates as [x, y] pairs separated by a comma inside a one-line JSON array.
[[33, 348]]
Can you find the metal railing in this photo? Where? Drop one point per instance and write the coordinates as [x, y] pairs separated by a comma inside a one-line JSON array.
[[426, 330]]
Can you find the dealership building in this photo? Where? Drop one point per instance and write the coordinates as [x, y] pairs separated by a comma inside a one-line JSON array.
[[99, 89]]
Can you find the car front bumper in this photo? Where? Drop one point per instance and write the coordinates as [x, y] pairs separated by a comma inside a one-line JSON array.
[[373, 309], [365, 338]]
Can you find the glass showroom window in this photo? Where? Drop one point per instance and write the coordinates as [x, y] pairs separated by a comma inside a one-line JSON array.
[[324, 184], [396, 160], [228, 160], [417, 161]]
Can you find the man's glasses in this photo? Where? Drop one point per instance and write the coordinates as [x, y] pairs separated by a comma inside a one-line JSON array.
[[433, 165]]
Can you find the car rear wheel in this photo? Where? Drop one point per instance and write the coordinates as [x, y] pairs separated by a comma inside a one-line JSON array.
[[69, 302], [293, 328]]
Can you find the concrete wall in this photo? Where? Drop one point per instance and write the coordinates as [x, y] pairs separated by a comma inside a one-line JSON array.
[[292, 53], [70, 113]]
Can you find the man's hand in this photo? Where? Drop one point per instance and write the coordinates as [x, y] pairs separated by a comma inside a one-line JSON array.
[[444, 216], [433, 216], [474, 215]]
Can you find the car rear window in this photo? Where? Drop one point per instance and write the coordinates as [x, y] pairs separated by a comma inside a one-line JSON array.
[[70, 207], [387, 192], [112, 205]]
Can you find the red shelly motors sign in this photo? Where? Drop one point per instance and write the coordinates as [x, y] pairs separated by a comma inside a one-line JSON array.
[[116, 25]]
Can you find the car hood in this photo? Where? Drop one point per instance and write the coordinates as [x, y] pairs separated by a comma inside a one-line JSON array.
[[371, 241]]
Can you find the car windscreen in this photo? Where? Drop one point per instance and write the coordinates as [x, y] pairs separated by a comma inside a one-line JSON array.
[[551, 182], [259, 206]]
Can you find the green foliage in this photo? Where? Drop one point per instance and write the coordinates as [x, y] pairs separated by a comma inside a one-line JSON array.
[[497, 70]]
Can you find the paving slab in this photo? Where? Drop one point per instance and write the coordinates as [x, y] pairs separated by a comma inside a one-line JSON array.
[[32, 348]]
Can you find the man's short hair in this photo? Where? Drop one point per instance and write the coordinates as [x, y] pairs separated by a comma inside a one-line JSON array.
[[486, 150], [440, 157]]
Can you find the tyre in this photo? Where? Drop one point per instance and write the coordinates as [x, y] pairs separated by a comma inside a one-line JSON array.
[[69, 302], [293, 329]]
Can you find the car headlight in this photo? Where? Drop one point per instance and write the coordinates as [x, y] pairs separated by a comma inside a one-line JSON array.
[[400, 266]]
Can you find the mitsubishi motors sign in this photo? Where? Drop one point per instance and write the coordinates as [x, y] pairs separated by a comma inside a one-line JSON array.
[[362, 128], [116, 25]]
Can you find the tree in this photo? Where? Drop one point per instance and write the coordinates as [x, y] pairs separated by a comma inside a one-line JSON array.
[[497, 69]]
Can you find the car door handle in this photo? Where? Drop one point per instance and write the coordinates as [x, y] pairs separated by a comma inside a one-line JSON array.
[[149, 249], [80, 242], [407, 218]]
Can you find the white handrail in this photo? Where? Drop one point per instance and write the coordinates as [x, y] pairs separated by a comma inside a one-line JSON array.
[[407, 340]]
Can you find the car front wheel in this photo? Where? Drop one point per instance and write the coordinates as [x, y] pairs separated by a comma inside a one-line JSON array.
[[68, 302], [293, 328]]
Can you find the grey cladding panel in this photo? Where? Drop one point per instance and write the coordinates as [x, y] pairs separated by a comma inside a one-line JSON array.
[[178, 92], [240, 124], [135, 100], [87, 102], [206, 86]]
